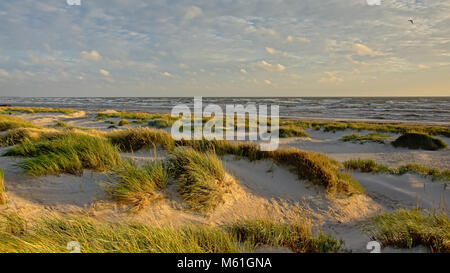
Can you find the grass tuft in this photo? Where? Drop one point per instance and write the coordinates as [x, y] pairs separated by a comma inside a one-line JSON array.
[[2, 189], [137, 185], [200, 176], [67, 153], [286, 132], [123, 122], [51, 235], [419, 141], [31, 110], [372, 137], [8, 123], [409, 228], [137, 138]]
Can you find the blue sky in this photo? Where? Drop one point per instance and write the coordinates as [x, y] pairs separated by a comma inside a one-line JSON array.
[[224, 48]]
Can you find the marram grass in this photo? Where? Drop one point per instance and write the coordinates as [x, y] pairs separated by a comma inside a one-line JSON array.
[[370, 166], [200, 178], [51, 234], [409, 228], [138, 186], [31, 110], [2, 189], [10, 122], [419, 141], [69, 153], [372, 137]]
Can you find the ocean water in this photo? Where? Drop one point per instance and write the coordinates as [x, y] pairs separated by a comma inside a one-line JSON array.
[[415, 109]]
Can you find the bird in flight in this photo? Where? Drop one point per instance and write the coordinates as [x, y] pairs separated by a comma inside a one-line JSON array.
[[411, 20]]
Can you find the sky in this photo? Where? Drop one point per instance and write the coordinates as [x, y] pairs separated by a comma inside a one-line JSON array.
[[224, 48]]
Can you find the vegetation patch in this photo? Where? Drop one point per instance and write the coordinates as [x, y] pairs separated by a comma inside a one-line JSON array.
[[9, 122], [419, 141], [129, 115], [67, 153], [139, 185], [200, 176], [297, 236], [31, 110], [398, 128], [51, 235], [286, 132], [2, 189], [372, 137], [409, 228], [123, 122], [137, 138], [370, 166]]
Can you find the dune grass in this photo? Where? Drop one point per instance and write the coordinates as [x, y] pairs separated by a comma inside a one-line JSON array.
[[409, 228], [296, 236], [9, 122], [67, 153], [51, 234], [333, 126], [137, 138], [311, 166], [2, 188], [419, 141], [138, 186], [31, 110], [130, 115], [370, 166], [200, 178], [372, 137], [123, 122], [286, 132]]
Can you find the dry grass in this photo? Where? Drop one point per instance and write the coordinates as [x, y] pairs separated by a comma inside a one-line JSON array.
[[31, 110], [2, 189]]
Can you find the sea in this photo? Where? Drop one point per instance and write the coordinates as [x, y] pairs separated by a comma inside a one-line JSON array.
[[408, 109]]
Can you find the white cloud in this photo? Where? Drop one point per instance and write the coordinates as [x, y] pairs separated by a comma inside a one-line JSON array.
[[271, 67], [193, 12], [364, 50], [298, 39], [166, 74], [268, 82], [104, 72], [243, 71], [91, 56], [4, 73], [330, 77]]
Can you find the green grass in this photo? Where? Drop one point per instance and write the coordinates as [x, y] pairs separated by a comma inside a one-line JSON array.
[[2, 189], [297, 236], [123, 122], [409, 228], [286, 132], [138, 186], [9, 122], [419, 141], [161, 123], [31, 110], [137, 138], [51, 235], [332, 126], [130, 115], [200, 178], [67, 153], [372, 137], [370, 166]]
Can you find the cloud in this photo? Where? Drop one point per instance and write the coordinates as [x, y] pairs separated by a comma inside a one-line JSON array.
[[364, 50], [299, 39], [91, 56], [268, 82], [166, 74], [271, 51], [193, 12], [104, 72], [243, 71], [269, 31], [330, 77], [271, 67], [4, 73], [423, 66]]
